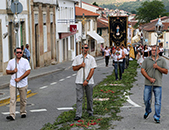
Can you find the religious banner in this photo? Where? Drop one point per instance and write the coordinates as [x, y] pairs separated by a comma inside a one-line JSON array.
[[118, 30]]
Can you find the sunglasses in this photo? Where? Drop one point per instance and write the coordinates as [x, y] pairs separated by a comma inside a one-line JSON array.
[[85, 47], [19, 52]]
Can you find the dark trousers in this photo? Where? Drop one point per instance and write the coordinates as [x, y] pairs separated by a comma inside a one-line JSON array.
[[116, 65], [107, 60], [127, 61], [124, 65]]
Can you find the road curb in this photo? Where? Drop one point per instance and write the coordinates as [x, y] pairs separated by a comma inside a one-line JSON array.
[[6, 99]]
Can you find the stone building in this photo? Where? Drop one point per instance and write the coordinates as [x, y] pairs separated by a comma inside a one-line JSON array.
[[7, 34], [43, 32]]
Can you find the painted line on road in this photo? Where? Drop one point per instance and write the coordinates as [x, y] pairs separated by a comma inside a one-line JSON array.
[[7, 113], [73, 74], [38, 110], [43, 87], [65, 108], [61, 80], [130, 101], [68, 77], [53, 83]]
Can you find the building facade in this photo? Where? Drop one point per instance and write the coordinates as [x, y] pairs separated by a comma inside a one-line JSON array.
[[7, 34], [65, 30]]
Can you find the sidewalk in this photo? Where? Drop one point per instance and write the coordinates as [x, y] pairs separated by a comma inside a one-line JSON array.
[[5, 79]]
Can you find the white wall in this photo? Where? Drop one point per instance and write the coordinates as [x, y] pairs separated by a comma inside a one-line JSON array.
[[4, 41], [153, 39], [3, 4], [89, 7]]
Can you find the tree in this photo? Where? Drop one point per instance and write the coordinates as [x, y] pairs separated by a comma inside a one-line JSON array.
[[95, 4], [150, 10]]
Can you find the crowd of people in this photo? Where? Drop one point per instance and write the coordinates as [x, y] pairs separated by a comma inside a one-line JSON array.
[[120, 57]]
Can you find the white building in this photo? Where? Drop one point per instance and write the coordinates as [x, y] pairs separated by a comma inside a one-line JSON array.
[[65, 29], [8, 43]]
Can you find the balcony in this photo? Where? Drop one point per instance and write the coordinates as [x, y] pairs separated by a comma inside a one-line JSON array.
[[63, 25]]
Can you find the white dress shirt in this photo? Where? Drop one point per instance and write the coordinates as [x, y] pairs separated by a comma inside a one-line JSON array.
[[89, 64], [22, 67]]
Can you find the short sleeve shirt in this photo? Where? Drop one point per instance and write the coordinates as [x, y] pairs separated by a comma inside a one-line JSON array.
[[22, 67], [148, 67], [90, 63]]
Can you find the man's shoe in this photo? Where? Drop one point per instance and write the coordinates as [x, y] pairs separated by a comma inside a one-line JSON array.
[[23, 116], [157, 120], [77, 118], [90, 114], [10, 118], [146, 115]]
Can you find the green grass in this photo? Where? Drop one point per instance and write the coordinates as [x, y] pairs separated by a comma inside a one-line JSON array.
[[104, 111]]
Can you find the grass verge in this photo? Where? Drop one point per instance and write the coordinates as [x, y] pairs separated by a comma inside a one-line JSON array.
[[109, 90]]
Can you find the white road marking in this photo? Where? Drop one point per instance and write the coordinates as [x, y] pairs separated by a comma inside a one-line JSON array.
[[73, 74], [65, 108], [68, 67], [53, 83], [61, 80], [68, 77], [38, 110], [7, 113], [130, 101], [43, 87]]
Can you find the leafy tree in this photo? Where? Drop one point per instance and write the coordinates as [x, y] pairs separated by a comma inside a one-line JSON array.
[[95, 4], [150, 10]]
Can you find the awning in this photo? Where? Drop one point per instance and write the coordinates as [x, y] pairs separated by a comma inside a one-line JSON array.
[[95, 36]]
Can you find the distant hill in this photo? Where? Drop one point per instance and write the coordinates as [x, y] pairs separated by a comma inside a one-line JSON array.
[[101, 2]]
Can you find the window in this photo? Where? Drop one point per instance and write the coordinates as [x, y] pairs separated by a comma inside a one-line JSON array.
[[92, 45], [99, 31], [88, 25], [45, 38], [93, 24], [72, 42]]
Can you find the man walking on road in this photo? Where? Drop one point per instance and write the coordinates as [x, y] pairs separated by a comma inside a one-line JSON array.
[[118, 56], [27, 52], [23, 70], [153, 80], [89, 64]]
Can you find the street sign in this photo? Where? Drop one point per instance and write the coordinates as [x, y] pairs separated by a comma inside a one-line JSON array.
[[16, 7]]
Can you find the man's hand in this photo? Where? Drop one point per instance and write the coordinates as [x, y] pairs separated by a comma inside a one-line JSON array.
[[118, 58], [83, 65], [155, 65], [85, 83], [17, 79], [152, 80], [15, 70]]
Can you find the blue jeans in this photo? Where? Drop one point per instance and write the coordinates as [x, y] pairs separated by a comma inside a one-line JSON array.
[[116, 69], [147, 99], [124, 64]]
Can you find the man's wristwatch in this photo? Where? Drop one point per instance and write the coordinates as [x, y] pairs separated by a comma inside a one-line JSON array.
[[87, 80]]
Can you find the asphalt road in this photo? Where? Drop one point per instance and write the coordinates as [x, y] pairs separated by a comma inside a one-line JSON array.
[[54, 91], [57, 90], [133, 115]]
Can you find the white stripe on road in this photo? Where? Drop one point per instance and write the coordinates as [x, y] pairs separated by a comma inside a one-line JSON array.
[[130, 101], [7, 113], [53, 83], [43, 87], [73, 74], [38, 110], [65, 108], [68, 77], [61, 80]]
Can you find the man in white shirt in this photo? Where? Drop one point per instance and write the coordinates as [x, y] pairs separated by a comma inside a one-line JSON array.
[[124, 60], [89, 64], [23, 70]]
